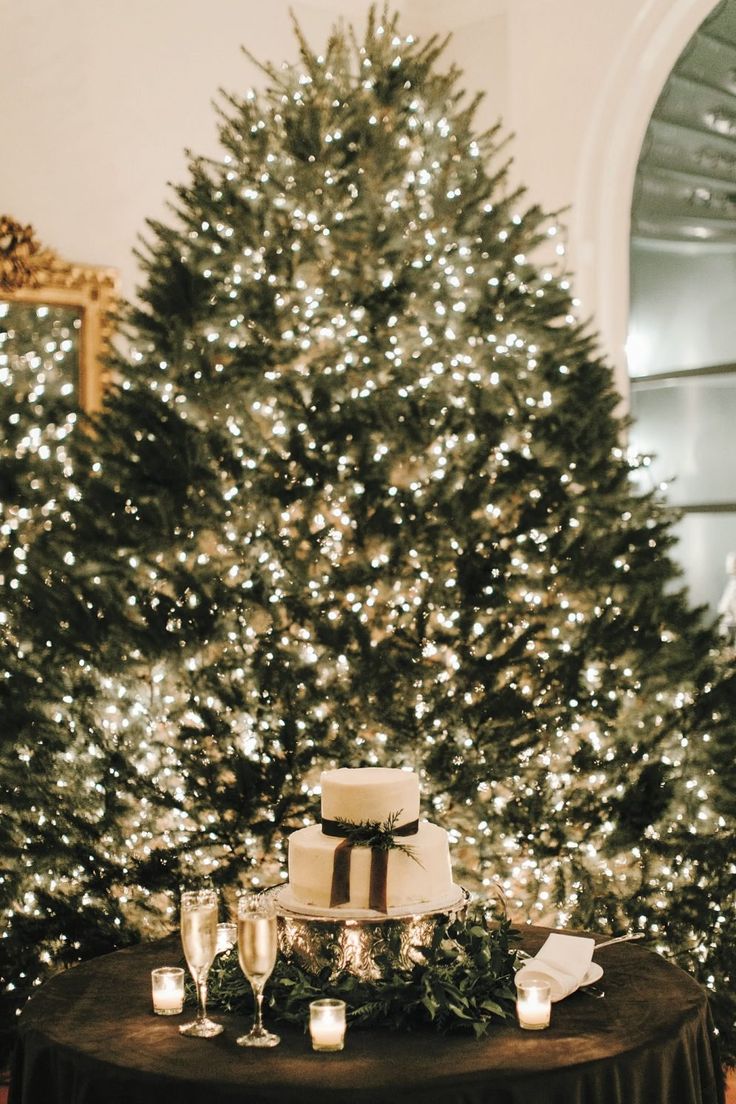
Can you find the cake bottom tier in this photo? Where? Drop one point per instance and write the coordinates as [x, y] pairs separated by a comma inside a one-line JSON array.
[[413, 880]]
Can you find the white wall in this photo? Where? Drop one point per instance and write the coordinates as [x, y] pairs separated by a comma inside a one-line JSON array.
[[99, 100]]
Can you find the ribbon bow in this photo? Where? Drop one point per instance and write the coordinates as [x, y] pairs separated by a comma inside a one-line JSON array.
[[380, 839]]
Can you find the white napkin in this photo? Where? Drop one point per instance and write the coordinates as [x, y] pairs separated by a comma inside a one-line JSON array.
[[564, 959]]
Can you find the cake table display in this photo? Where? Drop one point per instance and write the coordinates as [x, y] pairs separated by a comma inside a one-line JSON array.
[[370, 882], [371, 917]]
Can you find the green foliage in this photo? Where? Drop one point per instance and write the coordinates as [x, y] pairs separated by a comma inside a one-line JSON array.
[[463, 981]]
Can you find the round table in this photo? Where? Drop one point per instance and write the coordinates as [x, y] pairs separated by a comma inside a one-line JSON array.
[[89, 1037]]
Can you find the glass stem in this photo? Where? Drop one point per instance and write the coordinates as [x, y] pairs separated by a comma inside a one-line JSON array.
[[201, 986], [258, 994]]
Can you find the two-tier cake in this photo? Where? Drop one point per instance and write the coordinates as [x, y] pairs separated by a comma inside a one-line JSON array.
[[371, 852]]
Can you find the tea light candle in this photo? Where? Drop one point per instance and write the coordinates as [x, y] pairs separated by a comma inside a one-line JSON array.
[[167, 987], [533, 1001], [327, 1024], [227, 936]]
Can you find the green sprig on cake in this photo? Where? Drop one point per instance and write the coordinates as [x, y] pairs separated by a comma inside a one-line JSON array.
[[378, 835]]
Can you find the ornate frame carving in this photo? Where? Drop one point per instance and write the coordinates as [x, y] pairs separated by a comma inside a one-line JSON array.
[[30, 273]]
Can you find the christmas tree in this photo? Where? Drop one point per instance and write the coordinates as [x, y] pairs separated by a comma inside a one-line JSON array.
[[359, 496]]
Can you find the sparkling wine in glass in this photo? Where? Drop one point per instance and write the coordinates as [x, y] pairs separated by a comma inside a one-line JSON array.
[[257, 949], [199, 940]]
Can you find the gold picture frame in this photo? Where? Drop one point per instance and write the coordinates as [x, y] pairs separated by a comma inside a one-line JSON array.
[[31, 273]]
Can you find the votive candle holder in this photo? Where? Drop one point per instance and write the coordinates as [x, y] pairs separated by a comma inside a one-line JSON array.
[[533, 1002], [227, 937], [167, 989], [327, 1024]]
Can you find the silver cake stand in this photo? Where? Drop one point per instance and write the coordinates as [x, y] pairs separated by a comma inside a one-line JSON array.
[[362, 942]]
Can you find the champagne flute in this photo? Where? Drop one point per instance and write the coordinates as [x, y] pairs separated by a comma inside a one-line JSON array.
[[199, 940], [257, 948]]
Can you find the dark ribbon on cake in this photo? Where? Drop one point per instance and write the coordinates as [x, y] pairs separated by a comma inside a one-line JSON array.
[[340, 890]]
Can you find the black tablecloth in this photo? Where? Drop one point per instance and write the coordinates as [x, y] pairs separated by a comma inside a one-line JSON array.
[[89, 1037]]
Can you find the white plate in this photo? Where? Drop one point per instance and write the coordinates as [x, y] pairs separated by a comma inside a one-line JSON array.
[[592, 974], [288, 904]]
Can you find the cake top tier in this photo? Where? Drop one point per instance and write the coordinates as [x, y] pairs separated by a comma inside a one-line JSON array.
[[359, 794]]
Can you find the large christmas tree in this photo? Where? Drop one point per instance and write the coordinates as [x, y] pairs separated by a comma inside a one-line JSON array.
[[358, 496]]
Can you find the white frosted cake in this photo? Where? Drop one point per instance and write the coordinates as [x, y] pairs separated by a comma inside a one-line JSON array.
[[332, 870]]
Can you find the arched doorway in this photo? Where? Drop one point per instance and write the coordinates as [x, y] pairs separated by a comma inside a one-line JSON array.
[[681, 347]]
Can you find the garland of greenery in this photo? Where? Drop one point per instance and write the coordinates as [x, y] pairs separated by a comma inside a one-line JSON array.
[[464, 982]]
